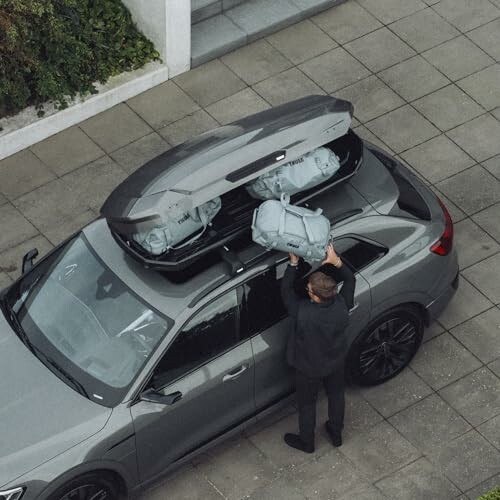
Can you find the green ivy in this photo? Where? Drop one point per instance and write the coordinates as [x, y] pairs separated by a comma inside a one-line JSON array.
[[491, 495], [52, 50]]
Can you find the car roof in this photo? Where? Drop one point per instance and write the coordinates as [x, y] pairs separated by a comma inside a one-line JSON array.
[[173, 297]]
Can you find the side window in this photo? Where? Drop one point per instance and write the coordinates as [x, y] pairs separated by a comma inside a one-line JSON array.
[[358, 253], [213, 330], [262, 302]]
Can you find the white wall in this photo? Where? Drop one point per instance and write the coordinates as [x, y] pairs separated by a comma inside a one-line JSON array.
[[167, 23]]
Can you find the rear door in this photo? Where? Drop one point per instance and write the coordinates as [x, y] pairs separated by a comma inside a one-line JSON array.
[[269, 326]]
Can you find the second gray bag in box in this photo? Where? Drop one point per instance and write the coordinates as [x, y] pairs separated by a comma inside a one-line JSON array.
[[277, 225]]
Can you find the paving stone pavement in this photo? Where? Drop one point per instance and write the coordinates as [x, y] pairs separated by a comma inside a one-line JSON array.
[[424, 77]]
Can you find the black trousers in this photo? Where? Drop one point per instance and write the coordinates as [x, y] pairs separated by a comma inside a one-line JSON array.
[[307, 395]]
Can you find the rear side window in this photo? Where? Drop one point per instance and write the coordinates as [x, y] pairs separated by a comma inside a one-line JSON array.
[[409, 199], [358, 253]]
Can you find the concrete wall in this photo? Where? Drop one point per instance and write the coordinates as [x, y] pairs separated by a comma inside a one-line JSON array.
[[167, 23]]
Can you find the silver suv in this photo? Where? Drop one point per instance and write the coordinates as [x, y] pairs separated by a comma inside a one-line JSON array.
[[117, 366]]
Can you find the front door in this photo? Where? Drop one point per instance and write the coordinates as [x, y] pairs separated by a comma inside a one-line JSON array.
[[211, 371]]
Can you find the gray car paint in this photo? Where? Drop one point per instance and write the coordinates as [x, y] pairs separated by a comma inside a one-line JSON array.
[[40, 416], [408, 273]]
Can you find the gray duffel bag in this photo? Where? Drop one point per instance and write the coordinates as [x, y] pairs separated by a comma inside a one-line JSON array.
[[298, 175], [277, 225], [176, 229]]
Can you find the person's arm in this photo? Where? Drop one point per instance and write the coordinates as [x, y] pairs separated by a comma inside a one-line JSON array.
[[290, 298], [334, 267]]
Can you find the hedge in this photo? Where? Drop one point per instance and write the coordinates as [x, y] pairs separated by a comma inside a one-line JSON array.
[[52, 50], [491, 495]]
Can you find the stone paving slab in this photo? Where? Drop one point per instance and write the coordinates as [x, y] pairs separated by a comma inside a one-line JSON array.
[[346, 22], [414, 78], [115, 127], [424, 78], [488, 220], [476, 397], [396, 394], [482, 275], [467, 461], [488, 38], [380, 49], [256, 62], [237, 106], [137, 153], [418, 481], [301, 42], [424, 29], [472, 243], [21, 173], [334, 70], [458, 58], [438, 159], [481, 335], [163, 104], [372, 96], [429, 423], [473, 189], [443, 360], [209, 83], [379, 451], [448, 107], [189, 126]]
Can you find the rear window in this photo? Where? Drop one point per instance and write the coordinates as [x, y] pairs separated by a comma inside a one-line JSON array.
[[409, 200], [358, 253]]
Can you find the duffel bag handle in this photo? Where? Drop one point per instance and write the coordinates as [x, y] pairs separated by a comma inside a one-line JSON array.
[[285, 200]]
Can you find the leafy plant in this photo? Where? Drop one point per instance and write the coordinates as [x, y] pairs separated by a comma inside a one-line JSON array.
[[52, 50], [491, 495]]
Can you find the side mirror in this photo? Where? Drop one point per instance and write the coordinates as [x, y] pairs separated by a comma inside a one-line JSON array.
[[28, 260], [152, 396]]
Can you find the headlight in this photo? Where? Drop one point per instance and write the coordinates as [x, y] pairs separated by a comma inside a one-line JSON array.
[[13, 494]]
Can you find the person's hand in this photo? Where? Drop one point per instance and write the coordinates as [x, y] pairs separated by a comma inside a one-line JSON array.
[[294, 259], [331, 256]]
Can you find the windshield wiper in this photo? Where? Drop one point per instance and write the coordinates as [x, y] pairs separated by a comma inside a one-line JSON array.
[[16, 324], [72, 380]]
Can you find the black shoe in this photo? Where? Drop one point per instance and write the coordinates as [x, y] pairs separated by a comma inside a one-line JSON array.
[[335, 437], [294, 441]]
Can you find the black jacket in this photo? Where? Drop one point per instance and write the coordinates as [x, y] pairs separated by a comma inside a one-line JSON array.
[[318, 346]]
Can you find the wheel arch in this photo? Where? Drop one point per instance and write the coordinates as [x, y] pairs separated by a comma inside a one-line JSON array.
[[112, 470]]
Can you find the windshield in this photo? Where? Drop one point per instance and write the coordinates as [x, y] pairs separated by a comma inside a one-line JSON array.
[[82, 319]]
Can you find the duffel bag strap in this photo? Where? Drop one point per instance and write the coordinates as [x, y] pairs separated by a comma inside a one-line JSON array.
[[309, 234], [191, 240]]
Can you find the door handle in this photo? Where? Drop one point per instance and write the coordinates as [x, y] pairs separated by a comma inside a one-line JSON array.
[[234, 374], [354, 307]]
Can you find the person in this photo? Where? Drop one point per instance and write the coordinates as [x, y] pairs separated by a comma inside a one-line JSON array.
[[317, 346]]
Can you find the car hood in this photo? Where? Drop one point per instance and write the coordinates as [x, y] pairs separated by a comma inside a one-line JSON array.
[[40, 416]]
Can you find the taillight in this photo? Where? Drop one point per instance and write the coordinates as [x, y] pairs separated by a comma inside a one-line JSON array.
[[444, 245]]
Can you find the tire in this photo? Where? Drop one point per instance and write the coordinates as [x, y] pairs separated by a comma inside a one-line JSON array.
[[386, 346], [91, 486]]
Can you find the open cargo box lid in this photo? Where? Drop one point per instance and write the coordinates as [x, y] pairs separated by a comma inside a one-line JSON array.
[[222, 159]]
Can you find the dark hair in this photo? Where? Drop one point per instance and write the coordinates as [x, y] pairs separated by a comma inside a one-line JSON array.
[[322, 286]]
